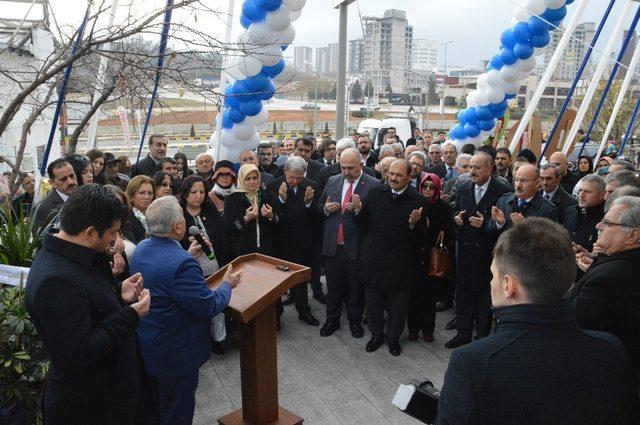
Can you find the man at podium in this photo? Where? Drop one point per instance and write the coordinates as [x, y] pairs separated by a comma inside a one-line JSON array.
[[174, 337]]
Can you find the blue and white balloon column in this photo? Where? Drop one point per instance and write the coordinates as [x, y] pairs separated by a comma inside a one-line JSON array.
[[519, 46], [268, 32]]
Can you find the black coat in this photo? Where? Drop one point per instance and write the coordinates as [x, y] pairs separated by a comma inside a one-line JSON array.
[[372, 160], [538, 207], [243, 235], [133, 230], [475, 245], [46, 210], [439, 215], [145, 166], [538, 368], [563, 201], [569, 181], [296, 225], [215, 229], [334, 170], [88, 333], [391, 248], [581, 224], [439, 170], [22, 205], [313, 170], [607, 298], [271, 169]]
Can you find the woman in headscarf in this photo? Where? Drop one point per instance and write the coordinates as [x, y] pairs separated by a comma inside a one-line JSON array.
[[251, 214], [421, 315], [603, 166], [224, 180]]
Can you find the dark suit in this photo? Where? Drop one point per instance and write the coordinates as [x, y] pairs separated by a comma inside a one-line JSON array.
[[540, 357], [89, 335], [46, 210], [322, 161], [537, 207], [146, 166], [390, 254], [313, 169], [569, 181], [341, 261], [473, 257], [581, 224], [439, 170], [133, 230], [295, 232], [562, 201], [174, 336], [372, 160]]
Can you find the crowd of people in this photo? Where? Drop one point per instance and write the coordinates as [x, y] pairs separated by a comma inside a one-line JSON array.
[[373, 220]]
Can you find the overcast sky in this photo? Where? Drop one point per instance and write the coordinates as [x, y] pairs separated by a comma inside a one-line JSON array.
[[473, 25]]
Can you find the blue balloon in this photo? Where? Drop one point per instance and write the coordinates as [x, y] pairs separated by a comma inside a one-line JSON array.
[[244, 22], [499, 114], [453, 131], [554, 25], [540, 40], [251, 108], [507, 56], [471, 130], [267, 93], [521, 32], [460, 133], [462, 117], [495, 107], [226, 121], [252, 12], [496, 62], [269, 5], [230, 100], [523, 50], [283, 48], [555, 14], [487, 125], [273, 71], [235, 115], [483, 113], [507, 39], [509, 96], [240, 90], [569, 2], [257, 83], [537, 26], [470, 115]]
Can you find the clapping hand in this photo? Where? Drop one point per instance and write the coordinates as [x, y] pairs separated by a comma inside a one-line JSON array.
[[142, 305], [414, 216], [476, 220], [282, 192], [458, 218], [356, 203], [267, 211], [309, 193], [497, 215], [331, 207], [250, 214], [117, 265], [131, 288], [516, 217]]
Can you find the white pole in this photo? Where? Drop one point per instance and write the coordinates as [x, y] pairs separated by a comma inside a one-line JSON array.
[[602, 65], [223, 75], [623, 91], [102, 69], [548, 74]]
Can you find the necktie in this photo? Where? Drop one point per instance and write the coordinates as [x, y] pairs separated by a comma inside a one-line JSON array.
[[547, 197], [522, 204], [449, 173], [478, 194], [345, 201], [394, 195]]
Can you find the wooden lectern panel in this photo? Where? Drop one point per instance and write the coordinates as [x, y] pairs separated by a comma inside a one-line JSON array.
[[262, 283]]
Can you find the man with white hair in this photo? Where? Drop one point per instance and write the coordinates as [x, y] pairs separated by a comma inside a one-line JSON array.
[[581, 220], [449, 155], [435, 158], [204, 169], [174, 336], [386, 151]]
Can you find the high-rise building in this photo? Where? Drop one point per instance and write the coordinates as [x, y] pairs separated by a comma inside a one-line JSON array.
[[356, 56], [322, 60], [387, 51], [628, 54], [574, 53], [333, 58], [424, 54], [303, 59]]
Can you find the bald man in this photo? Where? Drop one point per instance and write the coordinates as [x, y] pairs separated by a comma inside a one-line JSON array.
[[383, 168], [526, 202], [569, 180]]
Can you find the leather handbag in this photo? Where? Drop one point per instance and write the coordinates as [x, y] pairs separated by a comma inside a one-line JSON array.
[[441, 260]]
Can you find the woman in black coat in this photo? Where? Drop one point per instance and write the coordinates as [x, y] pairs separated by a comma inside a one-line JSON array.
[[251, 215], [140, 193], [421, 314]]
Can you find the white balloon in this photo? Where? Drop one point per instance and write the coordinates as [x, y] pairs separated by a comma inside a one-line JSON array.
[[509, 73], [482, 98], [249, 66], [482, 82], [260, 34], [233, 71], [295, 15], [512, 88], [243, 130], [293, 5], [244, 40], [286, 37], [458, 143], [522, 14], [526, 65], [493, 78], [537, 51], [554, 4], [278, 20], [472, 99], [269, 55], [495, 94], [536, 7], [261, 118]]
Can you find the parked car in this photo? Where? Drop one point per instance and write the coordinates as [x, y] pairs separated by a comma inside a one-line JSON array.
[[308, 106]]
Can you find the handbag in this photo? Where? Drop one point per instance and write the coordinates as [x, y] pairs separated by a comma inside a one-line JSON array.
[[440, 260]]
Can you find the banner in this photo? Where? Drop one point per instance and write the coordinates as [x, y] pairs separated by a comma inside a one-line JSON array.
[[124, 121]]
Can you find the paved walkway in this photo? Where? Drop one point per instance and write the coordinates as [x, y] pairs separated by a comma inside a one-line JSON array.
[[328, 380]]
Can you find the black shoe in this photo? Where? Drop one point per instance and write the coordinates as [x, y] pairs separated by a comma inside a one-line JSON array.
[[458, 341], [217, 347], [329, 328], [320, 296], [288, 300], [373, 344], [308, 318], [451, 325], [394, 347], [356, 329], [443, 306]]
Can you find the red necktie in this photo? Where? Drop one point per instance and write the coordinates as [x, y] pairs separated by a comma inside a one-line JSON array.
[[345, 201]]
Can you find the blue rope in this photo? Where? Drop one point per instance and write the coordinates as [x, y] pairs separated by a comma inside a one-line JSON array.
[[61, 94], [614, 71], [163, 47], [572, 90], [632, 121]]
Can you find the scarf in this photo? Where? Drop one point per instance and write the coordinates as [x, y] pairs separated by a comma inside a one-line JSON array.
[[223, 192], [438, 184], [141, 218], [244, 171]]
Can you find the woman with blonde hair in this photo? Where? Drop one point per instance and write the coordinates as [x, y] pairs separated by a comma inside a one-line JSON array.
[[140, 193]]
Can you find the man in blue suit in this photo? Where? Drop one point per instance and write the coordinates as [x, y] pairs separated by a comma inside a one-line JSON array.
[[174, 337], [342, 241]]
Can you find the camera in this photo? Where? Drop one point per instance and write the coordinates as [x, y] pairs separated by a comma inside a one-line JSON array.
[[418, 399]]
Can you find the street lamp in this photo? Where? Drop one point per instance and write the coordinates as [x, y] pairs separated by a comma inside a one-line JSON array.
[[315, 104], [444, 84]]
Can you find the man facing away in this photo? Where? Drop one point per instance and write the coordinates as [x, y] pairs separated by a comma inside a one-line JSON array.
[[538, 367], [174, 337]]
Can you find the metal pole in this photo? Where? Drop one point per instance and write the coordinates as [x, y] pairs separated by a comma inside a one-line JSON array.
[[342, 72], [583, 66], [315, 105], [628, 133], [223, 76]]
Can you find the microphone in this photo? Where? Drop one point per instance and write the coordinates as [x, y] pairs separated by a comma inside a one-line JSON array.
[[193, 231]]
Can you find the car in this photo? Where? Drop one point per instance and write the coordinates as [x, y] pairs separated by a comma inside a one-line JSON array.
[[308, 106], [370, 107]]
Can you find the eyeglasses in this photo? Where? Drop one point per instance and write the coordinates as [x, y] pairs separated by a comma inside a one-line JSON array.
[[607, 224], [428, 187], [225, 175]]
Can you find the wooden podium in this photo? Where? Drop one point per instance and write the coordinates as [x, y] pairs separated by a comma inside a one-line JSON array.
[[253, 304]]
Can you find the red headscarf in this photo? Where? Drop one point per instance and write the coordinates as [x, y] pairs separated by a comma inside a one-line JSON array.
[[438, 184]]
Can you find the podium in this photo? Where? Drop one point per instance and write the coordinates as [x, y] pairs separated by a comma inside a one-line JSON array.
[[253, 304]]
